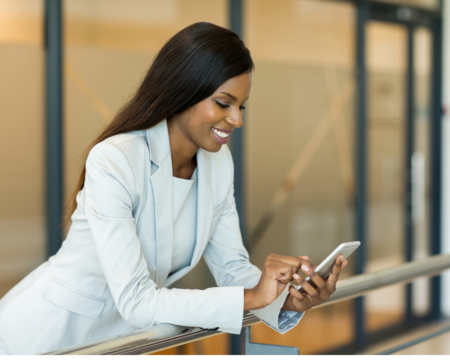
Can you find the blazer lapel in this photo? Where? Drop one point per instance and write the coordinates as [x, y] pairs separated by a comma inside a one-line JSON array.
[[162, 184], [205, 207]]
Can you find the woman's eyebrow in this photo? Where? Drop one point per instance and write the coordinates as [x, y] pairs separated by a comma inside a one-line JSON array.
[[231, 96]]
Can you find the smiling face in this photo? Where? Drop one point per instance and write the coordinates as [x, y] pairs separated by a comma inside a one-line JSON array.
[[209, 123]]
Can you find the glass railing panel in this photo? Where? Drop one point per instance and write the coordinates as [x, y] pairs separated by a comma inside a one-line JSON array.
[[299, 147], [22, 213]]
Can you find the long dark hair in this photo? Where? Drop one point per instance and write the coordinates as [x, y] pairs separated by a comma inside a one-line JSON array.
[[188, 69]]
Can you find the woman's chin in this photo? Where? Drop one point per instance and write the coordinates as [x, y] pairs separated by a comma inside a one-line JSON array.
[[212, 146], [213, 149]]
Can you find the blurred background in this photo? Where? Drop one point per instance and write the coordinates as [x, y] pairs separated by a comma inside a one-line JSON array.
[[344, 139]]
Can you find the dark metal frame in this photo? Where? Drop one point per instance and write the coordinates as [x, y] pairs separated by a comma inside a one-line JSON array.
[[236, 9], [360, 168], [409, 130], [54, 124], [436, 162]]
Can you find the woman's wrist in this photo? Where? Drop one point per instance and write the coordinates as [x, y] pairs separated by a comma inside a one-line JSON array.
[[251, 300], [288, 306]]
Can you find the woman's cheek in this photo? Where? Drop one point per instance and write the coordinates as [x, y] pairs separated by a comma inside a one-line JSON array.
[[211, 115]]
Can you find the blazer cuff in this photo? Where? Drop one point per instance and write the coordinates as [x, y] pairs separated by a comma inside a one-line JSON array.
[[280, 321], [232, 321]]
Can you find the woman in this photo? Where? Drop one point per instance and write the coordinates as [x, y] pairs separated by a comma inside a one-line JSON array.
[[155, 195]]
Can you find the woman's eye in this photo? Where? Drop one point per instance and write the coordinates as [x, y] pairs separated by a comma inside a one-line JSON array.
[[223, 106], [242, 107]]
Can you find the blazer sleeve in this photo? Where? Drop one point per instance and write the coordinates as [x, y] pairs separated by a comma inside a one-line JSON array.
[[229, 263], [109, 195]]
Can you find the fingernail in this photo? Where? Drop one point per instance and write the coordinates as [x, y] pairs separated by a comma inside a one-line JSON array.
[[296, 277], [305, 268]]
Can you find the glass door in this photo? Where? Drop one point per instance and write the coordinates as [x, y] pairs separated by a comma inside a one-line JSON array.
[[398, 165], [386, 59]]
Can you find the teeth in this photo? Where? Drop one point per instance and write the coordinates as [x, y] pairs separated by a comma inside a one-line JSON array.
[[221, 134]]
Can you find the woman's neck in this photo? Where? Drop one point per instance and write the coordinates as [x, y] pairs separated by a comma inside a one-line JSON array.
[[183, 151]]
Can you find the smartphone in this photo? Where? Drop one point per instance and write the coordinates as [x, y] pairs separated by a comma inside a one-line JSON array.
[[324, 269]]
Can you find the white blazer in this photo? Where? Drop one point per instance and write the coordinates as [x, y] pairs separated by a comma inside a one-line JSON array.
[[111, 275]]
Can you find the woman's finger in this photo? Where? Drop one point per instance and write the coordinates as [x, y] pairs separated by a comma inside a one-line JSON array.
[[295, 293], [335, 271], [308, 288], [321, 285], [287, 275], [305, 300], [344, 264], [296, 262], [306, 257], [279, 270]]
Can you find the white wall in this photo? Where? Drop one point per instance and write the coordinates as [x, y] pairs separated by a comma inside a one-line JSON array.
[[446, 159]]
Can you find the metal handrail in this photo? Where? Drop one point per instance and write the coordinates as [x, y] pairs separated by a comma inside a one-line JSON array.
[[415, 341], [160, 337]]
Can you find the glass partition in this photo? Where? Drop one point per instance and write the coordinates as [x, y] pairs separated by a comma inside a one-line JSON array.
[[299, 148], [22, 222]]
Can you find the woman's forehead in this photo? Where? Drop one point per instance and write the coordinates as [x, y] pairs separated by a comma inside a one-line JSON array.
[[238, 86]]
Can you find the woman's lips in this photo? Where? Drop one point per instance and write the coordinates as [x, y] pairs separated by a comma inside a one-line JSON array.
[[220, 139]]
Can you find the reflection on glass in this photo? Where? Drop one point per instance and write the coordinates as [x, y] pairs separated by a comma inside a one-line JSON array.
[[22, 233], [421, 163], [299, 130], [386, 68]]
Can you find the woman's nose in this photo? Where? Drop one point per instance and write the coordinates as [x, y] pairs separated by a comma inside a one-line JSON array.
[[235, 120]]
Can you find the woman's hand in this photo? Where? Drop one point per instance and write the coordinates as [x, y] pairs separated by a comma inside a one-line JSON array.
[[277, 272], [313, 296]]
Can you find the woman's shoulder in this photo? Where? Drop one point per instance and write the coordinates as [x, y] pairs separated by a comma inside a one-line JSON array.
[[126, 150], [127, 140], [127, 143]]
